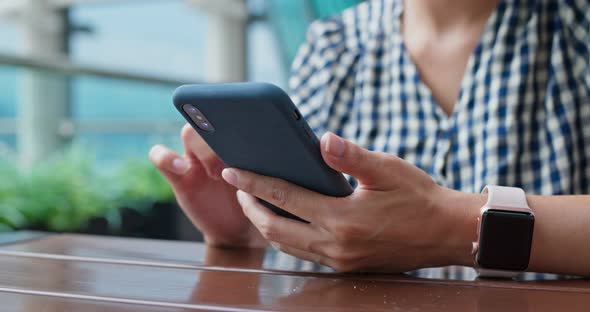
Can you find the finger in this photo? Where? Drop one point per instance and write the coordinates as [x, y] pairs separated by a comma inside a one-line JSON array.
[[370, 168], [195, 147], [178, 171], [290, 197], [276, 228], [167, 161]]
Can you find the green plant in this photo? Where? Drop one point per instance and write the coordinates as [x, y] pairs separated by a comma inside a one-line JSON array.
[[64, 192], [11, 187], [140, 185]]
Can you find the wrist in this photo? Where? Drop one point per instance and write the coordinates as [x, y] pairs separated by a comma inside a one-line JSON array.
[[462, 211]]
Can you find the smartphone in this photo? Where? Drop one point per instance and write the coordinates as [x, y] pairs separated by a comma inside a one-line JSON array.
[[256, 127]]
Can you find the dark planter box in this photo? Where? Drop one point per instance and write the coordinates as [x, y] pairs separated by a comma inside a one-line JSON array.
[[161, 221]]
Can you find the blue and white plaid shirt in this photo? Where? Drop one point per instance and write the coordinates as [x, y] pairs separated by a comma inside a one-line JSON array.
[[522, 117], [523, 113]]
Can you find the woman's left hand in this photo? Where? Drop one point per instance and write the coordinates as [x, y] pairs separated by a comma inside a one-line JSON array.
[[396, 220]]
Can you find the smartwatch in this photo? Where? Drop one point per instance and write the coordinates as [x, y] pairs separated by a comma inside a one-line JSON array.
[[502, 247]]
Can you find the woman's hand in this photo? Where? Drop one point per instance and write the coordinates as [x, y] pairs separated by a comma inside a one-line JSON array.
[[396, 220], [206, 199]]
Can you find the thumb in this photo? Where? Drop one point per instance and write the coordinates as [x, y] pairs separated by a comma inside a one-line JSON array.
[[369, 168]]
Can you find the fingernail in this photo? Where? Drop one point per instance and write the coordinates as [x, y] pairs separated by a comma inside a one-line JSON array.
[[230, 176], [241, 196], [335, 145], [179, 166], [156, 153]]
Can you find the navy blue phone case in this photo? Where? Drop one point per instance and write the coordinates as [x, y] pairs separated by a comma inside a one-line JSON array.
[[258, 128]]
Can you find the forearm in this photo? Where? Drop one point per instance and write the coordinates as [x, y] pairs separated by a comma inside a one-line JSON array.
[[561, 238]]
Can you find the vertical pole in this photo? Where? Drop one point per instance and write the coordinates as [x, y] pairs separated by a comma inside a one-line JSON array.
[[226, 46], [43, 96]]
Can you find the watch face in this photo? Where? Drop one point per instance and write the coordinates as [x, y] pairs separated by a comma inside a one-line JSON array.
[[505, 240]]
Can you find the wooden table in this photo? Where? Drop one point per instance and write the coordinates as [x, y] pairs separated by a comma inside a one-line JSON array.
[[42, 272]]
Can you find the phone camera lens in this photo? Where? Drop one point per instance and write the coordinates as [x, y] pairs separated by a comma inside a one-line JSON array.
[[205, 125], [198, 118]]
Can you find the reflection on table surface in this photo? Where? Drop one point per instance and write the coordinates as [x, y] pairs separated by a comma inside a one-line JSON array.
[[193, 255], [90, 272]]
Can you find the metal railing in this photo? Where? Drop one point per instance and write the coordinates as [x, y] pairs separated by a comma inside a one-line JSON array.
[[69, 127], [70, 69]]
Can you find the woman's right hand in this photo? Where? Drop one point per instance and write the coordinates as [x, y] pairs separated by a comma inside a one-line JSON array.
[[208, 201]]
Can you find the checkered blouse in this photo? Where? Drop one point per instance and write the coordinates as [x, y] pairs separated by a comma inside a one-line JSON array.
[[522, 117]]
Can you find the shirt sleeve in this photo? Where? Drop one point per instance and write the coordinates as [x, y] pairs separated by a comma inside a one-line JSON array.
[[576, 15], [322, 76], [583, 21]]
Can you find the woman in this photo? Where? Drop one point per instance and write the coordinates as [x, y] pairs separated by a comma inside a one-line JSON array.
[[468, 93]]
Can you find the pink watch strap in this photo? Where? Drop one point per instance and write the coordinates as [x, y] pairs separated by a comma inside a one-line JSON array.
[[506, 198]]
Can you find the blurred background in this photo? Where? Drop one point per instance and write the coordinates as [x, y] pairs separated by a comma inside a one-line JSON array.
[[85, 88]]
